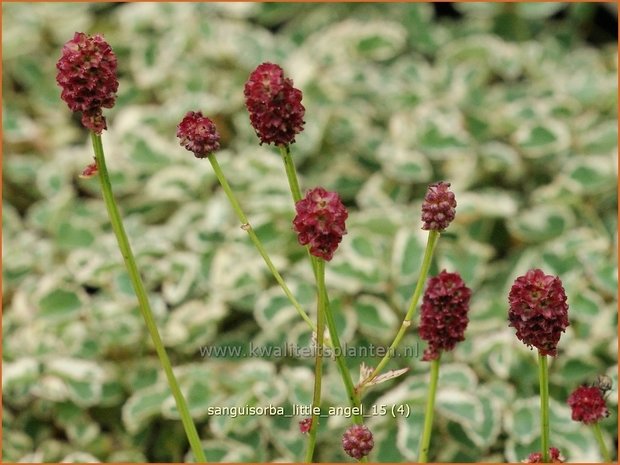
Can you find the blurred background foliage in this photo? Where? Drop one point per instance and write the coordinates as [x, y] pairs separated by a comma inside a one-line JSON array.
[[515, 105]]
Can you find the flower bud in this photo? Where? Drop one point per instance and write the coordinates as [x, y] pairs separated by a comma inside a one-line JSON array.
[[357, 441], [320, 222], [305, 425], [87, 76], [538, 310], [444, 310], [198, 134], [587, 405], [439, 207], [275, 108]]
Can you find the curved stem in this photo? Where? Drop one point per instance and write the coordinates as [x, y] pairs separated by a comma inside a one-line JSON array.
[[345, 374], [245, 225], [433, 236], [145, 307], [543, 377], [428, 415], [601, 443], [318, 364]]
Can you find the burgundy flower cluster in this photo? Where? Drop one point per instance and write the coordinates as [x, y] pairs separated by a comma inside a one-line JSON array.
[[443, 318], [538, 310], [87, 75], [554, 455], [587, 405], [275, 108], [198, 134], [439, 207], [305, 425], [320, 222], [357, 441]]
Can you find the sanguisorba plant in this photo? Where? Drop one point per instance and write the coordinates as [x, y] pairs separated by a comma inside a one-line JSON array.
[[538, 307], [320, 225], [539, 312], [443, 320], [277, 116], [87, 76]]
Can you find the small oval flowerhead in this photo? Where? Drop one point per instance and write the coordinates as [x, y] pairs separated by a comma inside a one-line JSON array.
[[198, 134], [357, 441], [538, 310], [587, 405], [87, 76], [320, 222], [439, 207], [305, 425], [275, 108], [443, 318], [554, 455]]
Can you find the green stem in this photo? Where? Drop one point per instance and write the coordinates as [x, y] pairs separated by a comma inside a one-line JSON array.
[[433, 236], [345, 374], [601, 443], [145, 308], [255, 240], [428, 415], [318, 364], [543, 377], [291, 173]]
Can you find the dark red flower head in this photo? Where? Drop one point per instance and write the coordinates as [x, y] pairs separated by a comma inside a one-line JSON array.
[[357, 441], [320, 222], [305, 425], [588, 405], [275, 108], [198, 134], [439, 207], [444, 313], [554, 455], [538, 310], [87, 75]]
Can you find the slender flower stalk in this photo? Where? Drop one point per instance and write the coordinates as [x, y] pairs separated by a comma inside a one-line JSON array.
[[318, 363], [345, 374], [543, 378], [429, 412], [442, 325], [144, 305], [198, 134], [539, 312], [87, 76], [601, 443], [438, 211], [247, 227], [291, 172], [433, 237]]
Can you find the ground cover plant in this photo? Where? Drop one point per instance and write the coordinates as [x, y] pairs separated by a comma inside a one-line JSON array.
[[520, 120]]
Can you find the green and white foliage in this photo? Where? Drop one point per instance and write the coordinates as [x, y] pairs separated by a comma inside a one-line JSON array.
[[518, 113]]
